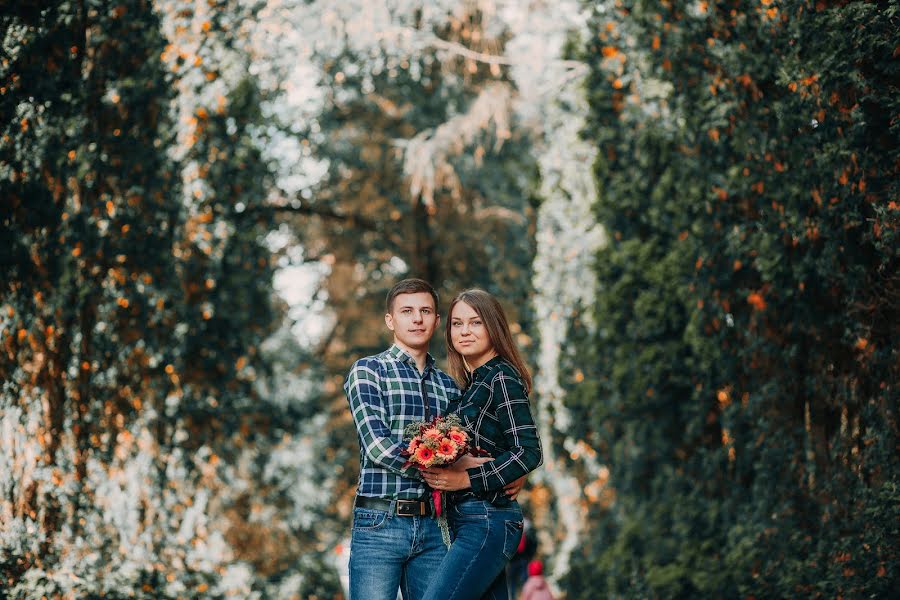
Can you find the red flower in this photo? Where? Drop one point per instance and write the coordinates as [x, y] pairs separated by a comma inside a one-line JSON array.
[[757, 301], [458, 436], [424, 454]]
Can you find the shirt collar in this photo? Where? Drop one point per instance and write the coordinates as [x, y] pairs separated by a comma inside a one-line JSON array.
[[401, 355], [482, 371]]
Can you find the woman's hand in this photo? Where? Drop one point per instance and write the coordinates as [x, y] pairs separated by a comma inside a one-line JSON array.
[[446, 480], [468, 461], [512, 489]]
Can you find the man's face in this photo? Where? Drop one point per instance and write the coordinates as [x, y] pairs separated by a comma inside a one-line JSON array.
[[413, 319]]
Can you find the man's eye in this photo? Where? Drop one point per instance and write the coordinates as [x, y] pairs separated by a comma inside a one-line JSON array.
[[406, 311]]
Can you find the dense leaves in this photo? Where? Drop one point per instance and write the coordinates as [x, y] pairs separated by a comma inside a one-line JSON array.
[[730, 401], [142, 414], [746, 360], [88, 286]]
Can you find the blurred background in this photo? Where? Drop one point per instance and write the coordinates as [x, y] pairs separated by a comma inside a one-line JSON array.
[[688, 209]]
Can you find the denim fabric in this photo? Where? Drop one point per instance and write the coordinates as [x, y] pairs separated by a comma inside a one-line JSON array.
[[486, 537], [390, 553]]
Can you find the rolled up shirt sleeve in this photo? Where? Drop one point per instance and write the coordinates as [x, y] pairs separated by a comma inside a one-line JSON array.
[[513, 411], [363, 391]]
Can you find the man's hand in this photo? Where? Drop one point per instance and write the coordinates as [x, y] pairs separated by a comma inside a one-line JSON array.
[[512, 489]]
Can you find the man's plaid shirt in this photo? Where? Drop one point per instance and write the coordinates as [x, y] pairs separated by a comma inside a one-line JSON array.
[[496, 410], [385, 394]]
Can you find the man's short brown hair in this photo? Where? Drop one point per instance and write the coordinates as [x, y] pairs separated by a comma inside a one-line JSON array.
[[410, 286]]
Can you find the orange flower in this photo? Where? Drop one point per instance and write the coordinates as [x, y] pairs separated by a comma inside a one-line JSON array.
[[424, 455], [432, 434], [447, 449], [458, 436], [757, 301], [413, 445]]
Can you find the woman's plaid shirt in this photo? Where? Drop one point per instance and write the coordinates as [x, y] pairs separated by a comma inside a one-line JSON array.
[[385, 394], [496, 410]]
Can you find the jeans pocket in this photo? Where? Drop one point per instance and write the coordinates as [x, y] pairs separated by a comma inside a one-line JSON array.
[[513, 537], [471, 509], [366, 519]]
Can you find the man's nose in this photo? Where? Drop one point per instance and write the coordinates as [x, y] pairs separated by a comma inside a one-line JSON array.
[[417, 316]]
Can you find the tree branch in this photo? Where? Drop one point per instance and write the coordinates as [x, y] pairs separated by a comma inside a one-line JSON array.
[[428, 39], [325, 213]]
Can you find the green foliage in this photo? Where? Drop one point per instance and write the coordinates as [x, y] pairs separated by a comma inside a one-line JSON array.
[[133, 311], [225, 267], [746, 355], [87, 203]]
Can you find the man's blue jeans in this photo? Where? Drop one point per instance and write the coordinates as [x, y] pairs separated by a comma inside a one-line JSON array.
[[486, 536], [390, 553]]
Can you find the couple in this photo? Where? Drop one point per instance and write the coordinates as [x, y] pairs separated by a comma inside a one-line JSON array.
[[396, 542]]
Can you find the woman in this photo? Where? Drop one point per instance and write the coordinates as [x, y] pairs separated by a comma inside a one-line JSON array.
[[486, 524]]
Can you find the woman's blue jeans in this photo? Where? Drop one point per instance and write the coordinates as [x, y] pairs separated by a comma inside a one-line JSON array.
[[485, 538]]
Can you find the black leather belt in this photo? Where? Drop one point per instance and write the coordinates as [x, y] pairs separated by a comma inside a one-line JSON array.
[[401, 508]]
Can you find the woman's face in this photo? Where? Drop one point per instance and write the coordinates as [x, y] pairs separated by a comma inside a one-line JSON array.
[[469, 336]]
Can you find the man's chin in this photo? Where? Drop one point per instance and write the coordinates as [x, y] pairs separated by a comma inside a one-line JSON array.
[[419, 342]]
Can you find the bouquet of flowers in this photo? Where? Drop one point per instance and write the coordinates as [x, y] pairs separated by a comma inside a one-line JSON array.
[[437, 443]]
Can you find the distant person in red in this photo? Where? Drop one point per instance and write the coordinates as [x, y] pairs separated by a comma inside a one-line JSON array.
[[536, 587]]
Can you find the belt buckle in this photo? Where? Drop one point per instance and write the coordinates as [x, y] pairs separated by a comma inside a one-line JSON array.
[[410, 508]]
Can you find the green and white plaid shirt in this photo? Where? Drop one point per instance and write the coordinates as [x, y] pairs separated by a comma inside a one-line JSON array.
[[385, 394]]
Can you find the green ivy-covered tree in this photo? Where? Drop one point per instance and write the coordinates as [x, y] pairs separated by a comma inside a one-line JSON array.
[[742, 381], [89, 283], [134, 310]]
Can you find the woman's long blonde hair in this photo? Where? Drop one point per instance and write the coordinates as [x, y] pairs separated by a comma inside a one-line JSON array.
[[488, 308]]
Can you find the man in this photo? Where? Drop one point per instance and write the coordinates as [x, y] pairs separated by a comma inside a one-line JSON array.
[[396, 543]]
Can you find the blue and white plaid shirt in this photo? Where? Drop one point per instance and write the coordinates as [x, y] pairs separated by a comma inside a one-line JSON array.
[[385, 395]]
